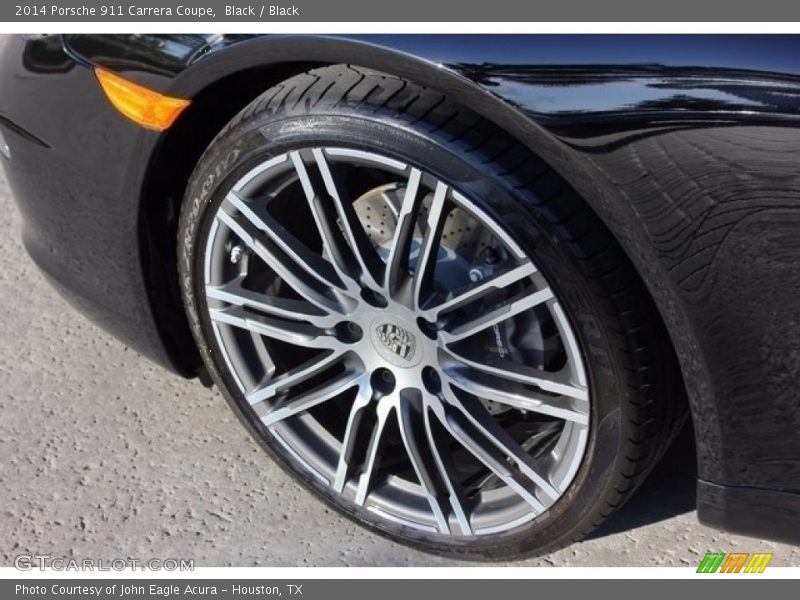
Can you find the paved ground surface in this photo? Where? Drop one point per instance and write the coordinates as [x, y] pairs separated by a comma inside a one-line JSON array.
[[105, 455]]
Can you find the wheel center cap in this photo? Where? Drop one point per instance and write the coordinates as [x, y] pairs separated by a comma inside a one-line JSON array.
[[395, 343]]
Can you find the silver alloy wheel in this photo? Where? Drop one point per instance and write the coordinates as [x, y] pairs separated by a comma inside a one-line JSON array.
[[398, 344]]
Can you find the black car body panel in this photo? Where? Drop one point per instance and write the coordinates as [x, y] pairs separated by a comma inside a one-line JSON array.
[[687, 147], [77, 168]]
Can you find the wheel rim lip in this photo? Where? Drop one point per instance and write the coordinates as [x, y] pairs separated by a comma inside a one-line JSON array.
[[383, 504]]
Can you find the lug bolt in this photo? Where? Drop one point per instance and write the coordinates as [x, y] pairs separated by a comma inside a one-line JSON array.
[[431, 380], [236, 254], [348, 332], [383, 382]]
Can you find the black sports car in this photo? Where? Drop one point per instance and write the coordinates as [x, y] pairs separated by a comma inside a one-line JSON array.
[[465, 288]]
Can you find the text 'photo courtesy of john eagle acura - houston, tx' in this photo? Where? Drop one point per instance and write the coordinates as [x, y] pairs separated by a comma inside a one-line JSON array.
[[466, 289]]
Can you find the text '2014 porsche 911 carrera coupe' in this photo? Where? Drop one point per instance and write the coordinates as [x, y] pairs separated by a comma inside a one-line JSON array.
[[466, 289]]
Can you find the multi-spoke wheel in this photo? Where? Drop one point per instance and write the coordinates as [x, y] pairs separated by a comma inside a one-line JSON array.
[[406, 325]]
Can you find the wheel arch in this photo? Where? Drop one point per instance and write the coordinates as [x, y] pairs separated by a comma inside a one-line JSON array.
[[222, 82]]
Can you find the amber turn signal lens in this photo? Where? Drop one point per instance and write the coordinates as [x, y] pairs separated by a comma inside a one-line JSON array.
[[145, 107]]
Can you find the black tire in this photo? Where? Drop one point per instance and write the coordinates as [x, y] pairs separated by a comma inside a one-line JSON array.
[[636, 402]]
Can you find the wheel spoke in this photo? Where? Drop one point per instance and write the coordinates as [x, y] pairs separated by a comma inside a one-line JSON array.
[[351, 431], [411, 424], [477, 292], [441, 463], [499, 314], [322, 393], [299, 283], [291, 332], [382, 412], [367, 258], [556, 382], [325, 220], [234, 293], [426, 259], [562, 407], [485, 452], [494, 434], [397, 263], [293, 377], [313, 264]]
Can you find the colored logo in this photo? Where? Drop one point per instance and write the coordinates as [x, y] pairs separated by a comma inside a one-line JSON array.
[[735, 562]]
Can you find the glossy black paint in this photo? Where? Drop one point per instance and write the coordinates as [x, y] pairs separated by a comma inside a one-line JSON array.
[[750, 511], [77, 188], [688, 148]]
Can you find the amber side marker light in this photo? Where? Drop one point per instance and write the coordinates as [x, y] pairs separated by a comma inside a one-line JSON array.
[[145, 107]]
